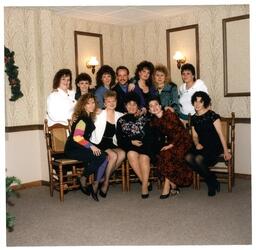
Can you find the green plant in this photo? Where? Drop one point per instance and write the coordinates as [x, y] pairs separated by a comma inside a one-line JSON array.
[[10, 191]]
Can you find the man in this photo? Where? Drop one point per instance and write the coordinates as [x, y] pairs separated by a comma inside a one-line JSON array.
[[121, 88]]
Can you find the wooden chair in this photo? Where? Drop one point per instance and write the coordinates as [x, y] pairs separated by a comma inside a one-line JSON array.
[[119, 176], [131, 177], [63, 172], [225, 170]]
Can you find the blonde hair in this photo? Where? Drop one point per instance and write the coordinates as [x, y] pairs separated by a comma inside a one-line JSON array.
[[110, 93], [79, 107], [163, 69]]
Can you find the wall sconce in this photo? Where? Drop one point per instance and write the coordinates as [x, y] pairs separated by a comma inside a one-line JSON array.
[[180, 58], [92, 63]]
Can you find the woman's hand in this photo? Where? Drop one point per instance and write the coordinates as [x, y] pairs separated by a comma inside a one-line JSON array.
[[166, 147], [227, 156], [131, 87], [136, 143], [199, 146], [96, 151]]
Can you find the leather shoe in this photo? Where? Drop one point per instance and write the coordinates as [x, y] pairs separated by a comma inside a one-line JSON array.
[[84, 190], [102, 194], [92, 193], [211, 192], [164, 196], [144, 196]]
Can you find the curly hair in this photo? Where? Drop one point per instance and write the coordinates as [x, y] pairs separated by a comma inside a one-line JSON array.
[[163, 69], [145, 65], [58, 75], [105, 69], [83, 77], [205, 98], [79, 109]]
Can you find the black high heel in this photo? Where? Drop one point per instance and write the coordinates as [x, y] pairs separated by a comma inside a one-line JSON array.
[[164, 196], [84, 189], [102, 194], [144, 196], [92, 193]]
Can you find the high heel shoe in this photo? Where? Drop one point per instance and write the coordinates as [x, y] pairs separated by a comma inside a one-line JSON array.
[[92, 193], [102, 194], [164, 196], [84, 189], [144, 196]]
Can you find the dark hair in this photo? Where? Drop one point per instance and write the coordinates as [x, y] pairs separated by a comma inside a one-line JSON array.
[[205, 98], [122, 67], [148, 65], [154, 98], [105, 69], [58, 75], [132, 96], [189, 67], [83, 77]]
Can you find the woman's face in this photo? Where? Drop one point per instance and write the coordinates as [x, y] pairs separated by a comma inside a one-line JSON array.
[[64, 82], [154, 107], [84, 86], [106, 79], [132, 107], [187, 76], [110, 103], [198, 104], [159, 79], [90, 106], [144, 74]]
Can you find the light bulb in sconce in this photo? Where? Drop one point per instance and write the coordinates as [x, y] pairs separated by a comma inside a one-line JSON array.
[[92, 63], [180, 58]]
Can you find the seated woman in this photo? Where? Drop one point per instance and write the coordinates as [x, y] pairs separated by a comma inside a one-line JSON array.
[[133, 135], [104, 136], [61, 101], [171, 163], [209, 141], [142, 84], [105, 80], [80, 148], [167, 90], [83, 82]]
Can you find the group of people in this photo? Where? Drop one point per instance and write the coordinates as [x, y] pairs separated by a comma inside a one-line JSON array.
[[143, 119]]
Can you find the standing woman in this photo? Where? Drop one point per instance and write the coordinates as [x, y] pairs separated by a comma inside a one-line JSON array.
[[83, 82], [79, 147], [61, 102], [142, 83], [134, 136], [105, 79], [104, 136], [171, 159], [187, 89], [167, 90], [209, 141]]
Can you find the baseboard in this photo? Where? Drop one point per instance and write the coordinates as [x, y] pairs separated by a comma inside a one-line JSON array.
[[30, 185], [243, 176]]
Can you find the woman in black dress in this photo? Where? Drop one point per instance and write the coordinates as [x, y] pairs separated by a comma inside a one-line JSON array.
[[80, 148], [133, 135], [208, 139]]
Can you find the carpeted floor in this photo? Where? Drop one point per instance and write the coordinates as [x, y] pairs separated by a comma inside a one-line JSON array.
[[191, 218]]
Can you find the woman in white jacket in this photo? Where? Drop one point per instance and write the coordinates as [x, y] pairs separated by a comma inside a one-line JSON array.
[[104, 136], [61, 101]]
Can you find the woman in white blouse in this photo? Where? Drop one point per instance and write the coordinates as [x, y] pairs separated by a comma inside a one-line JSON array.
[[187, 89], [61, 101]]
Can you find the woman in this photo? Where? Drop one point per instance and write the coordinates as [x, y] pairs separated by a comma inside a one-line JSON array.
[[105, 79], [61, 102], [104, 136], [133, 135], [142, 84], [187, 89], [208, 139], [83, 82], [171, 163], [79, 147], [167, 90]]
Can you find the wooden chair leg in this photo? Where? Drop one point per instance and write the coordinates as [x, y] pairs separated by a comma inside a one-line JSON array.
[[61, 183], [194, 180], [127, 176], [123, 177], [197, 181]]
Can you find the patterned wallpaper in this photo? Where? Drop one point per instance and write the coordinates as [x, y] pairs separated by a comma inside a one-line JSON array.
[[44, 42]]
